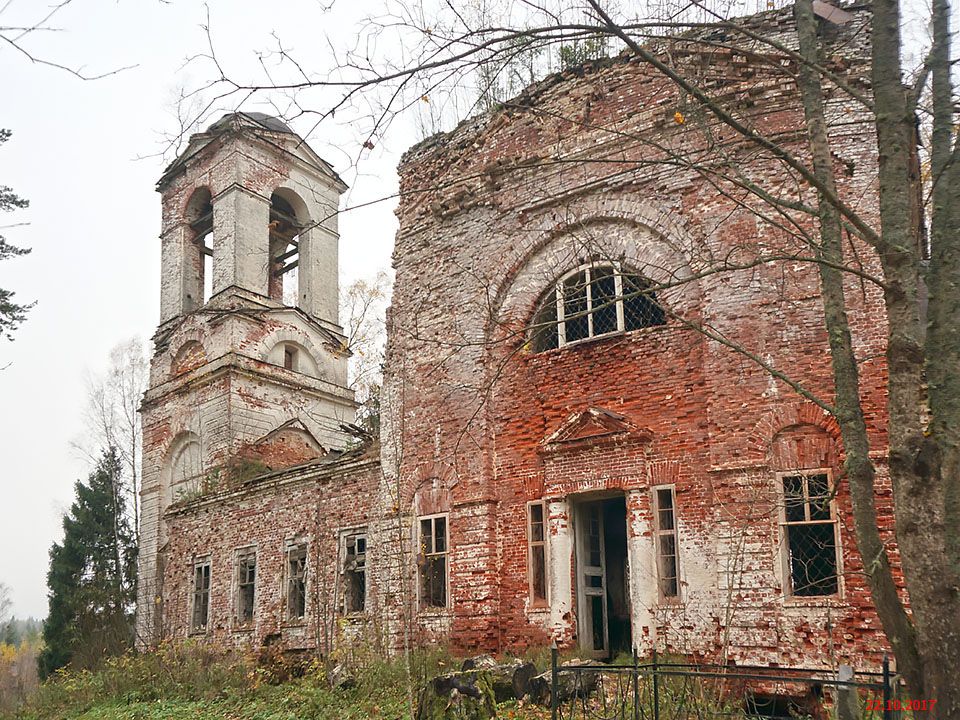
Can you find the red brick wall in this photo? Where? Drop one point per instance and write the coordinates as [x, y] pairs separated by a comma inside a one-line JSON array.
[[491, 214], [314, 506]]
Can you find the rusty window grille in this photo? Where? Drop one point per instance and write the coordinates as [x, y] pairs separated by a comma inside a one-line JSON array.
[[537, 552], [666, 541], [809, 532], [354, 572], [296, 582], [433, 561], [593, 301], [200, 615], [246, 584]]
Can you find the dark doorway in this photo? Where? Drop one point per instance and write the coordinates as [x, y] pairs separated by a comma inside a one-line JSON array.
[[603, 576]]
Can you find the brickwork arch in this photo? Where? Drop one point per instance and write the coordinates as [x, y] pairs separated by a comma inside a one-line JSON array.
[[431, 490], [785, 418], [190, 356], [188, 333], [267, 350], [181, 463], [609, 234]]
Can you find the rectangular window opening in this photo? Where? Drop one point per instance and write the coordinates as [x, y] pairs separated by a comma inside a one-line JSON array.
[[355, 572], [296, 582], [809, 530], [290, 357], [201, 596], [246, 584], [537, 553], [666, 542], [433, 561]]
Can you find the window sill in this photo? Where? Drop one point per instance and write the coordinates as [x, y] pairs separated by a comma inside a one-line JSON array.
[[198, 633], [814, 601], [293, 624], [244, 628], [431, 610]]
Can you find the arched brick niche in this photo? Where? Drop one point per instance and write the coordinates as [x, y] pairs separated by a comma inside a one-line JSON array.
[[190, 356], [603, 238], [792, 432], [802, 447]]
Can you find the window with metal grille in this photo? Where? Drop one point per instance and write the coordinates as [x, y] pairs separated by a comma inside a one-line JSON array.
[[809, 531], [432, 561], [666, 541], [201, 595], [593, 301], [296, 582], [537, 553], [246, 584], [354, 572]]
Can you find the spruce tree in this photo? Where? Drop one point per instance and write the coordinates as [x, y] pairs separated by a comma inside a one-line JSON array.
[[92, 576], [11, 313]]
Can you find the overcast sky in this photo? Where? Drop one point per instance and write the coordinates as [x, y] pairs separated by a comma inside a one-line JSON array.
[[84, 154], [87, 156]]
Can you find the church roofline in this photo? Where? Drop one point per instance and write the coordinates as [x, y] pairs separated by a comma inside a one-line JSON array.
[[256, 124]]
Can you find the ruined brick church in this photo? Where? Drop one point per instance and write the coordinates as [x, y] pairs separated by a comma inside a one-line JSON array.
[[567, 452]]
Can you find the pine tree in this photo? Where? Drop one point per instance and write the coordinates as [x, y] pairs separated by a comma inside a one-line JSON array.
[[11, 314], [92, 576]]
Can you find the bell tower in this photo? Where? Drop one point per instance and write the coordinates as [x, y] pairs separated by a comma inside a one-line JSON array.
[[250, 362]]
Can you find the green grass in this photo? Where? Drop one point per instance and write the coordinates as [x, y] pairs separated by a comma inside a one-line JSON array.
[[185, 681]]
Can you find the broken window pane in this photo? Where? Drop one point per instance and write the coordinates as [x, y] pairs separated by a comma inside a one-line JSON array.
[[666, 532], [426, 536], [587, 304], [813, 559], [794, 502], [596, 621], [603, 296], [296, 582], [355, 573], [640, 306], [545, 335], [537, 554], [810, 535], [536, 522], [434, 582], [201, 596], [433, 562], [246, 585], [576, 324]]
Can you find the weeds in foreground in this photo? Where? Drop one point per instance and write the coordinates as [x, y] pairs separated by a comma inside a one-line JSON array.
[[187, 680]]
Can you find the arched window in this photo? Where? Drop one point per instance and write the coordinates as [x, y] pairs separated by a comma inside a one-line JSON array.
[[185, 468], [199, 264], [593, 301], [287, 219], [293, 356]]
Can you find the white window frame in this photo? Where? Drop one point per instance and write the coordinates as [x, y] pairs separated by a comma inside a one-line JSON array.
[[239, 555], [446, 559], [291, 547], [200, 562], [658, 533], [786, 567], [536, 602], [344, 535], [559, 297]]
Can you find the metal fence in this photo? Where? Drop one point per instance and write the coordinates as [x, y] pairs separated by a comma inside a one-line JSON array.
[[658, 690]]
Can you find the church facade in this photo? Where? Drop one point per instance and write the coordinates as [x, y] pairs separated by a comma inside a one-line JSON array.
[[581, 439]]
